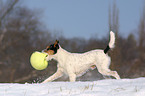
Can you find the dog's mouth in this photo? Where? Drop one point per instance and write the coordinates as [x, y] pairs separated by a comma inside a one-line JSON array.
[[49, 52], [47, 58]]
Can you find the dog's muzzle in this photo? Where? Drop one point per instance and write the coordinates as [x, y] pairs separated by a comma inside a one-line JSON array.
[[44, 51]]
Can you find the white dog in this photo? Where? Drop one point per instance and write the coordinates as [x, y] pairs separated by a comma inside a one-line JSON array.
[[76, 64]]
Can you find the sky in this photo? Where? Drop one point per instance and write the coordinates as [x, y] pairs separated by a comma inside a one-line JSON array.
[[86, 18]]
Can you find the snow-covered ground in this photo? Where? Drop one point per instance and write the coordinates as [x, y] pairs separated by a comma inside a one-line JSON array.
[[110, 87]]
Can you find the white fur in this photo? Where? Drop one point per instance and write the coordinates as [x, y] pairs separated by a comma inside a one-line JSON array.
[[112, 40], [75, 64]]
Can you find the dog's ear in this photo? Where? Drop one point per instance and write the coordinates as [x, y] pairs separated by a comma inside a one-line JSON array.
[[56, 42]]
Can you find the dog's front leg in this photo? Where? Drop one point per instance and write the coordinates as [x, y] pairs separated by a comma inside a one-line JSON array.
[[56, 75], [72, 77], [71, 74]]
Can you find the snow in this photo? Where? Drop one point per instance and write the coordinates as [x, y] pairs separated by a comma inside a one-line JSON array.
[[108, 87]]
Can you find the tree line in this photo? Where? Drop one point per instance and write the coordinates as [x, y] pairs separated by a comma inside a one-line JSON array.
[[22, 32]]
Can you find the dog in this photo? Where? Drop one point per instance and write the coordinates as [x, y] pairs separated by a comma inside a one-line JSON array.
[[76, 64]]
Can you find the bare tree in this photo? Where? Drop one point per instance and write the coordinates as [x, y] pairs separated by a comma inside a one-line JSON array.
[[21, 33], [141, 34], [114, 26], [139, 62], [5, 10]]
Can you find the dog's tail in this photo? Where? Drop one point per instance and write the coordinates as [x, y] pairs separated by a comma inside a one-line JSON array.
[[111, 43]]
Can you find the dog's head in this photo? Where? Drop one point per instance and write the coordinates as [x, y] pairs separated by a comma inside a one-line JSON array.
[[52, 49]]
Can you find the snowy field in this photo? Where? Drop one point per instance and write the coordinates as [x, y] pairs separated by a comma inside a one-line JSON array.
[[110, 87]]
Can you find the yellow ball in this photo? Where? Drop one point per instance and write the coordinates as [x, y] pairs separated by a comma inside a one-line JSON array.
[[38, 60]]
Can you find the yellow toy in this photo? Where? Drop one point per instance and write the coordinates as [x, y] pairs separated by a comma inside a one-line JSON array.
[[38, 60]]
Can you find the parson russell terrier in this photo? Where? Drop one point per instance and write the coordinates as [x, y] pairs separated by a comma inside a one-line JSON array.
[[76, 64]]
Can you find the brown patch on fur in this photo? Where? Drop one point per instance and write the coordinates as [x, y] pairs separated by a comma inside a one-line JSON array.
[[47, 47], [50, 52], [56, 42], [52, 49]]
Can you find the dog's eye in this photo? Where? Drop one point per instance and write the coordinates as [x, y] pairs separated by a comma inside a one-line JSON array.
[[51, 46]]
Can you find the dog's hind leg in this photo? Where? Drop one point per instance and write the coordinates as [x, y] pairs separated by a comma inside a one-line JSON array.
[[103, 68], [108, 72], [106, 77]]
